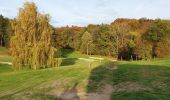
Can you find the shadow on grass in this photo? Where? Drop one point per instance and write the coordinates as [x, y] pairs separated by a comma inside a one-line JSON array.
[[68, 61], [152, 77], [70, 94], [100, 75], [66, 52]]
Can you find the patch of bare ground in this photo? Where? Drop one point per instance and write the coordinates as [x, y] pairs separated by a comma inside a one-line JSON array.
[[75, 94], [114, 67], [129, 87], [159, 85], [104, 93], [20, 96], [65, 94]]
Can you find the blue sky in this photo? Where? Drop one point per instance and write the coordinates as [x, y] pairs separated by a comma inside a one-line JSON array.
[[84, 12]]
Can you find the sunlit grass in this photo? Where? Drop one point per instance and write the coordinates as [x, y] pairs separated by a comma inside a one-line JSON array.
[[32, 84]]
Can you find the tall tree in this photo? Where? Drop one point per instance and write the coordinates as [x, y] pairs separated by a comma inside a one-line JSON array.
[[5, 31], [122, 31], [157, 34], [31, 41], [87, 43]]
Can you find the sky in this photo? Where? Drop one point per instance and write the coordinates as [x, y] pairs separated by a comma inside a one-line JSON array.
[[84, 12]]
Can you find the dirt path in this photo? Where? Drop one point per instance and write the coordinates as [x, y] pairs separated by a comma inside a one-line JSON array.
[[103, 94]]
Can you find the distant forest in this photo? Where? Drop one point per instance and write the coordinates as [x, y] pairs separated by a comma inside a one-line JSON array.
[[125, 39]]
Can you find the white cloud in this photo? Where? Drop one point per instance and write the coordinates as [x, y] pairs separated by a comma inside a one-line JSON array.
[[84, 12]]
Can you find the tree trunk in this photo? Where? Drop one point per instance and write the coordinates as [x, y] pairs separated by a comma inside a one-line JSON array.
[[87, 49], [1, 40], [117, 47]]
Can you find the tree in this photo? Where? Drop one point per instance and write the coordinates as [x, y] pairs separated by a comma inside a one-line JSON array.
[[121, 35], [143, 49], [87, 43], [124, 38], [107, 40], [5, 31], [31, 41], [157, 33], [163, 47]]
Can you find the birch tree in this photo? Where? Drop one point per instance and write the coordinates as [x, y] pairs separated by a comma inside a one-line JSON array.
[[31, 44]]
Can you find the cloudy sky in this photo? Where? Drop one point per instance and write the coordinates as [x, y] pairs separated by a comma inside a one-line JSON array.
[[84, 12]]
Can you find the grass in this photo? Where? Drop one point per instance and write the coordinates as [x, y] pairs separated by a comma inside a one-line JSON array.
[[4, 55], [3, 51], [38, 84], [5, 58], [68, 53], [12, 82], [153, 74], [72, 71]]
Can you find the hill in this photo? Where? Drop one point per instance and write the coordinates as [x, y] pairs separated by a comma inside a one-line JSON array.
[[79, 79]]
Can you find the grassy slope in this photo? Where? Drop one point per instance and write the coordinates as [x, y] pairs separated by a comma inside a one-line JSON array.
[[13, 82], [4, 55], [3, 51], [72, 71], [154, 74], [37, 83]]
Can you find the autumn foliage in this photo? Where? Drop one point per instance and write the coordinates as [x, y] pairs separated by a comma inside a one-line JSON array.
[[124, 38], [31, 43]]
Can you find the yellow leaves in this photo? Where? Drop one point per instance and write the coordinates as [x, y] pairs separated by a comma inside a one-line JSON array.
[[133, 33], [31, 44]]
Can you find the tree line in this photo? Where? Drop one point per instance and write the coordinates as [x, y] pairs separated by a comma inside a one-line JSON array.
[[128, 39], [34, 43]]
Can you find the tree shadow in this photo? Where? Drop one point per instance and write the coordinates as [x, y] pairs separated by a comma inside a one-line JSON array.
[[70, 94], [66, 52], [99, 76], [153, 77], [66, 61]]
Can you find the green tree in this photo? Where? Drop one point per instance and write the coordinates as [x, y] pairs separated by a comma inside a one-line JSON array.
[[157, 33], [31, 41], [122, 39], [87, 43], [5, 31]]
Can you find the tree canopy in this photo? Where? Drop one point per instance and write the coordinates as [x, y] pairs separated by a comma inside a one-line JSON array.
[[123, 38], [5, 31], [31, 43]]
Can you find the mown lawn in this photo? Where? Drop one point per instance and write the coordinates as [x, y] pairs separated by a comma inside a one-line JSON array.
[[12, 82], [155, 78], [138, 80], [4, 55], [37, 83]]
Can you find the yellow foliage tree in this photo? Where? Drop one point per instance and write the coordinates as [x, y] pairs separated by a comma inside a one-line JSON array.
[[31, 44]]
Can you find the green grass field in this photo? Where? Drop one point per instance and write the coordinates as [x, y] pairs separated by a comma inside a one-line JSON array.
[[138, 80]]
